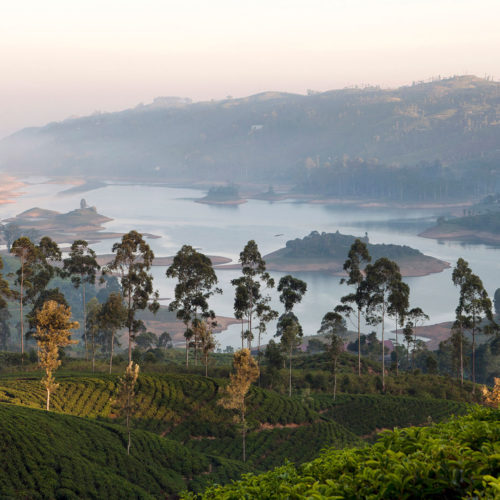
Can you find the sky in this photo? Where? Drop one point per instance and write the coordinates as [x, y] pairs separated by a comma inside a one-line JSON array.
[[61, 58]]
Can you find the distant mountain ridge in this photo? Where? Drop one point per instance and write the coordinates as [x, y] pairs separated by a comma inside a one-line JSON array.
[[271, 136]]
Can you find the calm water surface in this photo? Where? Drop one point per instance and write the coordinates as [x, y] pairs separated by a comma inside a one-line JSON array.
[[224, 230]]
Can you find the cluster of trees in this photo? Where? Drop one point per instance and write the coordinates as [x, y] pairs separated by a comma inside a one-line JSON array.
[[337, 245], [223, 193], [41, 265], [422, 182]]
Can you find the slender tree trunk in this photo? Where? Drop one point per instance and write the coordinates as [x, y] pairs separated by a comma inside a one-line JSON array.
[[112, 345], [461, 358], [383, 348], [244, 432], [359, 342], [21, 319], [413, 350], [290, 374], [129, 328], [474, 357], [187, 352], [258, 354], [195, 340], [242, 334], [128, 423], [85, 323], [93, 352], [335, 379], [397, 361], [48, 399], [206, 365]]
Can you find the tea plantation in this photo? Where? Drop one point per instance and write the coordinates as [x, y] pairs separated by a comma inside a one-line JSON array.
[[182, 439], [49, 455], [458, 459]]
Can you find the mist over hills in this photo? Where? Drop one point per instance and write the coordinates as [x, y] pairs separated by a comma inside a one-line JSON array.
[[276, 137]]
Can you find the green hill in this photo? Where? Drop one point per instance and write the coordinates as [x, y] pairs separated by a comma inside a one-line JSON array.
[[350, 142], [367, 415], [49, 455], [458, 459], [182, 438]]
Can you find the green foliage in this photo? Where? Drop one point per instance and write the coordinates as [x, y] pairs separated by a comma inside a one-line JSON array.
[[459, 459]]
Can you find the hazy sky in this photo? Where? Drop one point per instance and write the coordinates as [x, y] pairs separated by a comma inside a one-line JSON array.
[[72, 57]]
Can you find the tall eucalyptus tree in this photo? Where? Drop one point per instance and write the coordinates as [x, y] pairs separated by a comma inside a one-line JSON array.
[[357, 256], [196, 283], [81, 266], [133, 260], [382, 279], [248, 292]]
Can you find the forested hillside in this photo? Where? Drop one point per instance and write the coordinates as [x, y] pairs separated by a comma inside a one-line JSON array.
[[426, 141]]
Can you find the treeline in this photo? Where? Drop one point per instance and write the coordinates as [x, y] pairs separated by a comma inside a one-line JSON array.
[[424, 182]]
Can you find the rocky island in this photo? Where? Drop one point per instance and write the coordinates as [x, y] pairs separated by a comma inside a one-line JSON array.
[[327, 252]]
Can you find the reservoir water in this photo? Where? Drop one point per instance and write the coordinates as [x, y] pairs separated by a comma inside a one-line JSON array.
[[172, 214]]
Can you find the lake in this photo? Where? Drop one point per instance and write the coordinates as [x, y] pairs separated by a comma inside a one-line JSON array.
[[172, 214]]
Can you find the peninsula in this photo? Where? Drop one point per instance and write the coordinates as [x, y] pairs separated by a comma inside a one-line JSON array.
[[475, 228], [82, 223]]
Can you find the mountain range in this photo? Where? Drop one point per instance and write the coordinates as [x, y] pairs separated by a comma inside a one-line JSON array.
[[272, 136]]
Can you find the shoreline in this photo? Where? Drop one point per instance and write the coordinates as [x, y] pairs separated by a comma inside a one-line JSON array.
[[335, 268], [176, 328], [462, 235], [225, 202], [217, 260], [254, 191]]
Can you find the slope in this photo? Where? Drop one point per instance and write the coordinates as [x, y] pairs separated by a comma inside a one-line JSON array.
[[49, 455]]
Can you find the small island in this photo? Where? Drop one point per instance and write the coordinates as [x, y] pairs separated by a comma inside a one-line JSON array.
[[82, 223], [479, 224], [327, 252], [222, 195], [271, 195]]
